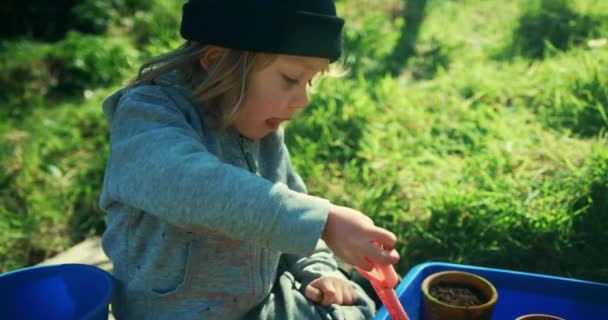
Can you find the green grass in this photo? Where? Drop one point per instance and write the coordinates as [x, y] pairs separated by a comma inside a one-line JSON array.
[[51, 167], [473, 160], [476, 137]]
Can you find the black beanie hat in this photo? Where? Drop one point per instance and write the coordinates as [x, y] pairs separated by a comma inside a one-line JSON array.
[[296, 27]]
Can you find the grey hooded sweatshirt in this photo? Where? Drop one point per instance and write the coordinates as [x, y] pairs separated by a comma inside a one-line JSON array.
[[198, 218]]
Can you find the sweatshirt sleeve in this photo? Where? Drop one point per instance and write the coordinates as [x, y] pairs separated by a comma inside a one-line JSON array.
[[321, 262], [158, 163], [308, 268]]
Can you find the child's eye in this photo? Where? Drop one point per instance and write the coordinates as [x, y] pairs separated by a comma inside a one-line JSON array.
[[291, 81]]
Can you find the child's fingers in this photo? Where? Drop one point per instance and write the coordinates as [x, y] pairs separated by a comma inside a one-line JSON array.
[[338, 298], [385, 238], [349, 296], [313, 294], [330, 294], [381, 256]]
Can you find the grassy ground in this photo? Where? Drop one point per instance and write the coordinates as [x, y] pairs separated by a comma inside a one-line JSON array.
[[476, 137]]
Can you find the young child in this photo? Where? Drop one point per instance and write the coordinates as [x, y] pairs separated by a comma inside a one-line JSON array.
[[206, 217]]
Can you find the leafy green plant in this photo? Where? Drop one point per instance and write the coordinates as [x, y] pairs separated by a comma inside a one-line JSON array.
[[50, 21], [156, 30], [92, 16], [50, 182], [26, 77], [37, 19], [86, 61], [33, 72], [129, 7]]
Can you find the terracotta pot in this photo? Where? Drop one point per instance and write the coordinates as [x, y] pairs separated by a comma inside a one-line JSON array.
[[538, 316], [437, 310]]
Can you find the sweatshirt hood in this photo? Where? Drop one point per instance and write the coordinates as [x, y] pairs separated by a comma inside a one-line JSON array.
[[110, 104]]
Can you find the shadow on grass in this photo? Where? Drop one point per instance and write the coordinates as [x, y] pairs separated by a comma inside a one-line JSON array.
[[406, 45], [547, 26]]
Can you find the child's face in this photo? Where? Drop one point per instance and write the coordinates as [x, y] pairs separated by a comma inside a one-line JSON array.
[[276, 93]]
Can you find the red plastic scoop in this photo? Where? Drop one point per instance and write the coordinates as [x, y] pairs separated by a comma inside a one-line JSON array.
[[384, 279]]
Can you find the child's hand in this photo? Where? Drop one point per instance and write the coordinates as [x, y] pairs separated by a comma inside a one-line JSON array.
[[352, 236], [329, 290]]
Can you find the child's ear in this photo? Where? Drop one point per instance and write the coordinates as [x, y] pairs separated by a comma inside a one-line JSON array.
[[211, 56]]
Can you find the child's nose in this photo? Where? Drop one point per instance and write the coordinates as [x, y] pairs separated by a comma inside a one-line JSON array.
[[301, 99]]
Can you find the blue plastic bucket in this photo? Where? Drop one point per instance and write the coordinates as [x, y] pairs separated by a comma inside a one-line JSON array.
[[65, 291], [519, 293]]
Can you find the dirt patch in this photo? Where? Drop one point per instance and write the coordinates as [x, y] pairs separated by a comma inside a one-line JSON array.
[[457, 294]]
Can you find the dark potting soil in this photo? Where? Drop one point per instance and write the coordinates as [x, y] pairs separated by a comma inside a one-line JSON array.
[[457, 294]]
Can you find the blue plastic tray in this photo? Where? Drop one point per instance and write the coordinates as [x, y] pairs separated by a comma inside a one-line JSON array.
[[519, 293], [56, 292]]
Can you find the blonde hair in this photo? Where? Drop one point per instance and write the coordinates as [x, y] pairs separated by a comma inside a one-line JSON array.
[[209, 87]]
